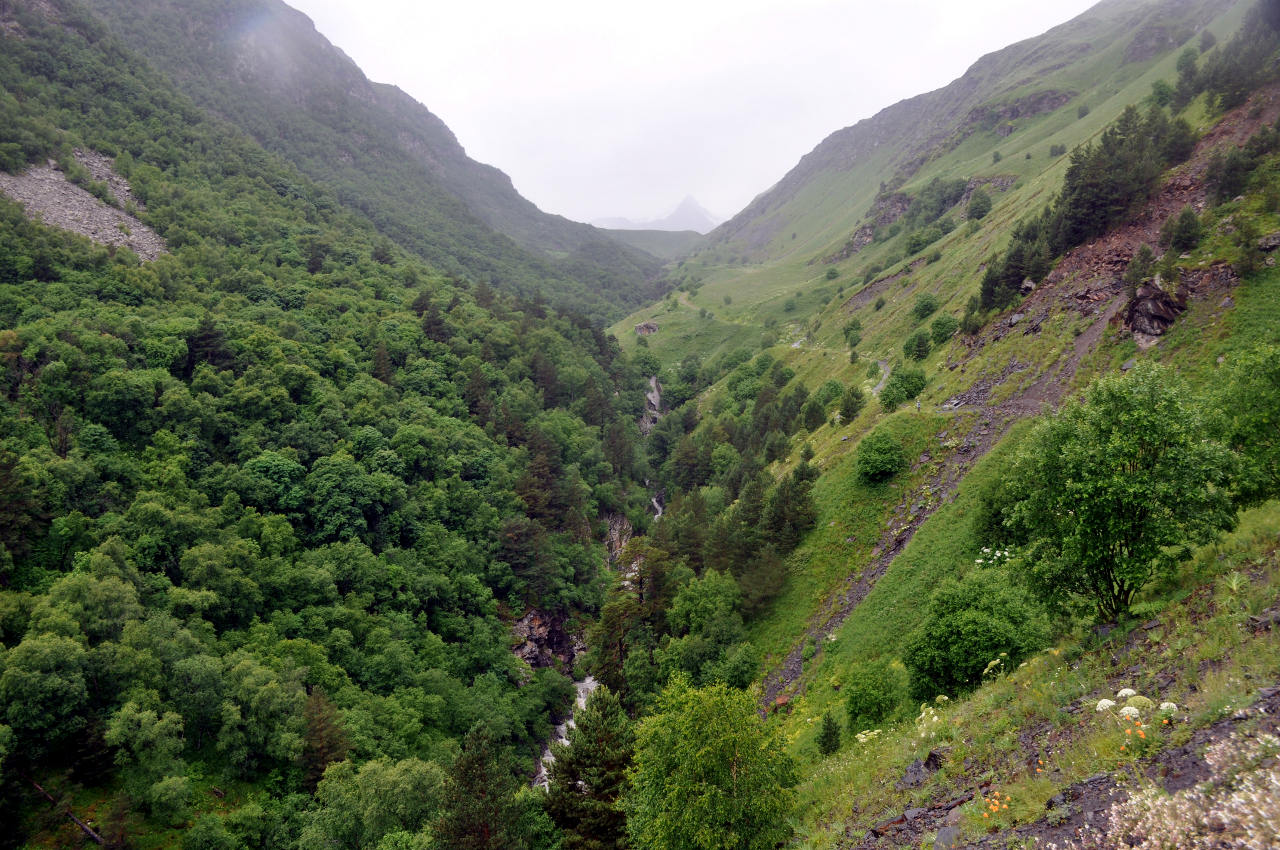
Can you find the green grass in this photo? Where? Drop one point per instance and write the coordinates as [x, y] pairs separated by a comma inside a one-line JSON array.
[[987, 731]]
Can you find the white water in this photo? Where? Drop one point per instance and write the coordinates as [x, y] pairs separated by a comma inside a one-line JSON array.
[[586, 687]]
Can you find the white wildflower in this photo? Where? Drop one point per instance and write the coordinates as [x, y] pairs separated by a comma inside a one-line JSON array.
[[1129, 711], [1106, 704], [1166, 707], [1126, 693]]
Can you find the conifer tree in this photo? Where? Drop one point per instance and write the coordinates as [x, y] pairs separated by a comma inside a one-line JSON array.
[[829, 737], [480, 807], [324, 740], [589, 774]]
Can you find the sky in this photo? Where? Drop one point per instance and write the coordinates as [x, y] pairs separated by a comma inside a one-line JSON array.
[[599, 109]]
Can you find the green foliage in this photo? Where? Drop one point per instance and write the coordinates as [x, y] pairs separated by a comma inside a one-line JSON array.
[[708, 774], [926, 305], [359, 806], [479, 809], [1103, 183], [879, 457], [984, 617], [1107, 494], [1181, 233], [1247, 406], [943, 328], [873, 693], [832, 273], [589, 775], [904, 384], [918, 345], [979, 204], [829, 735], [880, 302], [851, 403], [1140, 266]]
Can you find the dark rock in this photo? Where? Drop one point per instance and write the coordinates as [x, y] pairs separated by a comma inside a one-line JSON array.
[[1129, 364], [912, 814], [948, 838], [919, 771], [543, 640], [1153, 310], [646, 328], [1270, 242]]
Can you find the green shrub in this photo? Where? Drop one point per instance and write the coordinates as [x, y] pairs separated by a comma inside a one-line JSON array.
[[970, 623], [875, 691], [832, 273], [851, 405], [1181, 233], [917, 346], [879, 303], [943, 328], [904, 384], [926, 305], [880, 457], [979, 204]]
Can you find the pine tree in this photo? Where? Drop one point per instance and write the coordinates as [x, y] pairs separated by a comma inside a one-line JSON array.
[[324, 740], [589, 774], [480, 807], [829, 737]]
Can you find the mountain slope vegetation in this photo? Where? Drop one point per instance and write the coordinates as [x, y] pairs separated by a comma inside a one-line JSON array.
[[307, 540], [263, 66]]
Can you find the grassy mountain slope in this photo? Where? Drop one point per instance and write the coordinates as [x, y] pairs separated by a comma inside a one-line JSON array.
[[263, 66], [777, 281]]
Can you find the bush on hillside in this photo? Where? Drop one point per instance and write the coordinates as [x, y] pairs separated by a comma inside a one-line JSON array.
[[880, 457], [917, 346], [1181, 232], [979, 204], [904, 384], [926, 305], [983, 618], [943, 328], [873, 694]]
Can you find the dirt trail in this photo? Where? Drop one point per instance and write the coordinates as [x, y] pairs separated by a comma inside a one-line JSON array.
[[1088, 281]]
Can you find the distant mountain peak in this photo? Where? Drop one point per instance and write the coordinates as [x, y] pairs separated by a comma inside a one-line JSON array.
[[688, 215]]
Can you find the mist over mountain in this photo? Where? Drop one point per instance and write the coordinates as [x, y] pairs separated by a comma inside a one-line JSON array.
[[688, 215]]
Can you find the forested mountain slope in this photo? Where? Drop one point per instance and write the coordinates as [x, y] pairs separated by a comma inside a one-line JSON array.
[[263, 66], [273, 498]]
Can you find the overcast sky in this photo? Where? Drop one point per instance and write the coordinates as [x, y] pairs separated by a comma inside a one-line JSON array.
[[598, 108]]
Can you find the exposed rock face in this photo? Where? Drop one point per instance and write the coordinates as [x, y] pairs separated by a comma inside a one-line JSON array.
[[647, 328], [885, 210], [46, 194], [1153, 40], [998, 116], [1153, 310], [544, 641], [1270, 242]]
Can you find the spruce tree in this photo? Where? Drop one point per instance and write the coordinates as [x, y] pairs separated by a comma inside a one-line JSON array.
[[480, 807], [829, 736], [589, 774]]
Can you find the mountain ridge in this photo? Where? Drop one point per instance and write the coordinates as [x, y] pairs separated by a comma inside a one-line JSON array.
[[265, 67]]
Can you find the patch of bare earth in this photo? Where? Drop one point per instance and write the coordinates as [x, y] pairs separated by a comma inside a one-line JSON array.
[[48, 196], [1087, 281]]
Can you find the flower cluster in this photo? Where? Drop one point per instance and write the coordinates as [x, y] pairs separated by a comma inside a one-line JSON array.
[[993, 557]]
